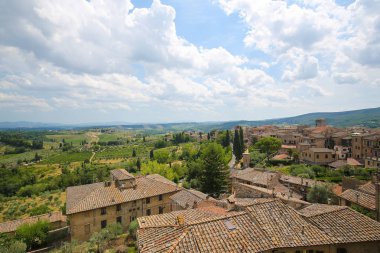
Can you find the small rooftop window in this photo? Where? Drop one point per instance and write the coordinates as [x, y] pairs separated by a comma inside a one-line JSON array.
[[230, 226]]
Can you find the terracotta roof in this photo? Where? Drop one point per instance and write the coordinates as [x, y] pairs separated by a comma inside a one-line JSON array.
[[268, 224], [338, 164], [359, 198], [255, 176], [346, 225], [321, 150], [11, 226], [121, 174], [281, 157], [368, 188], [285, 226], [186, 198], [353, 162], [92, 196], [230, 233], [160, 178], [299, 180], [289, 146], [316, 209], [170, 219]]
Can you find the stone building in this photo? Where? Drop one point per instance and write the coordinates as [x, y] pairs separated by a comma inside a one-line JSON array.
[[92, 207], [318, 156]]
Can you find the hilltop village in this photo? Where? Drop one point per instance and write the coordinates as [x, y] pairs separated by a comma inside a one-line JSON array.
[[262, 209]]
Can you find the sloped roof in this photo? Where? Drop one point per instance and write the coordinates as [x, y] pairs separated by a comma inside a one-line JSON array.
[[267, 224], [11, 226], [316, 209], [186, 198], [338, 164], [92, 196], [359, 198], [170, 219], [255, 176], [121, 174], [285, 227], [346, 225], [368, 188], [353, 162]]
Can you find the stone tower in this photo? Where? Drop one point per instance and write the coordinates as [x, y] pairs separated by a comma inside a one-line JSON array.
[[246, 159], [320, 122]]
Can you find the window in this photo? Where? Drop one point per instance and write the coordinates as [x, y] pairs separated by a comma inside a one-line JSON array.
[[118, 207], [160, 197], [341, 250], [87, 229], [118, 219], [319, 251], [103, 211], [131, 218], [326, 156], [148, 212], [147, 200], [103, 223], [310, 251], [160, 209], [317, 156], [134, 203]]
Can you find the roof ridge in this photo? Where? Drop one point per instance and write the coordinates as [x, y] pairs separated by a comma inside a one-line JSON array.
[[152, 179], [209, 219], [339, 208], [179, 239]]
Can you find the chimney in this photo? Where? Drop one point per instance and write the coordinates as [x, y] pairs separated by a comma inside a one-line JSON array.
[[231, 203], [357, 197], [181, 220]]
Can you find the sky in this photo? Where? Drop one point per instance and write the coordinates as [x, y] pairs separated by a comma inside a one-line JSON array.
[[78, 61]]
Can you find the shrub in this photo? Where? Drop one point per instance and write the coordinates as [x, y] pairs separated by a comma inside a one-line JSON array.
[[132, 229], [34, 235]]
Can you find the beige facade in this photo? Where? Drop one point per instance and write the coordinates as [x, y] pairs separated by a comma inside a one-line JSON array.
[[83, 224], [320, 156]]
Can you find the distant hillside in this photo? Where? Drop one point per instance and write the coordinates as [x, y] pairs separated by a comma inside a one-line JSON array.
[[365, 117]]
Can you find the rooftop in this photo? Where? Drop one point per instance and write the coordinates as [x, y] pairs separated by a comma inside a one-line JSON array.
[[255, 176], [359, 198], [92, 196], [187, 198], [267, 224], [121, 174]]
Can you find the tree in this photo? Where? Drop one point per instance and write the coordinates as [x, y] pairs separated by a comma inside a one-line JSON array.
[[33, 235], [237, 146], [132, 229], [100, 239], [241, 139], [138, 163], [215, 173], [268, 145], [134, 153], [151, 154], [13, 247], [319, 194]]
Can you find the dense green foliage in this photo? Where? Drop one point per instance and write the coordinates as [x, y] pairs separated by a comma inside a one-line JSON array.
[[214, 171], [319, 194], [33, 235], [268, 145]]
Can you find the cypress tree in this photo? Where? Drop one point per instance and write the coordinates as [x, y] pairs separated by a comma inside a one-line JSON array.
[[138, 163], [241, 139], [237, 146], [151, 154]]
